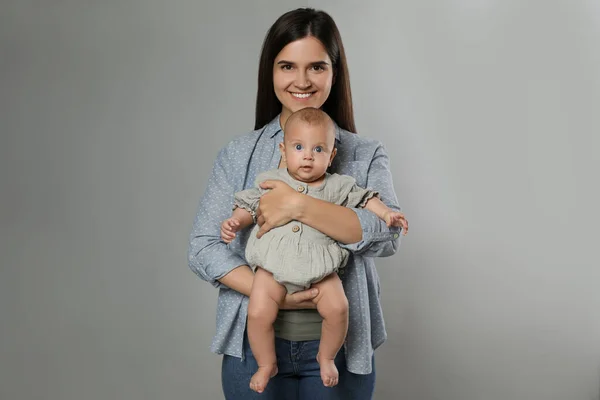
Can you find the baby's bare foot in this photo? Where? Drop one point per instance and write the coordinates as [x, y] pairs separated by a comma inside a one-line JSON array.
[[329, 372], [259, 380]]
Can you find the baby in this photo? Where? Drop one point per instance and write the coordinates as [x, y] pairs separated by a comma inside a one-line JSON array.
[[295, 256]]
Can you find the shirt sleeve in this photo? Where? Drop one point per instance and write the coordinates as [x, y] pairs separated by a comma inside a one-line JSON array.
[[208, 256], [378, 240]]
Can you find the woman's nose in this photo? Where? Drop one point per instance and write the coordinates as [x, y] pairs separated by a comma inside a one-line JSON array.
[[302, 81]]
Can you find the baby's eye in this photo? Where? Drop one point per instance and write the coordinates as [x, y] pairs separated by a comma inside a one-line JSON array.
[[298, 147], [318, 149]]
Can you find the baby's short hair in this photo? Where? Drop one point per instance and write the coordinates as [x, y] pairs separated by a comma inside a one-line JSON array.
[[311, 116]]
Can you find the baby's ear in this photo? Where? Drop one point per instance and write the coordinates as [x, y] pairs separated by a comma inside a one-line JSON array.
[[282, 150], [333, 153]]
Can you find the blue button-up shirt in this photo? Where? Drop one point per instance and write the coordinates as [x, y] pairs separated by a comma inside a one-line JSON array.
[[235, 169]]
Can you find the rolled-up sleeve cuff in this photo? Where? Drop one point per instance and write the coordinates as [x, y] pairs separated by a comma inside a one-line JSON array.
[[226, 264], [374, 231]]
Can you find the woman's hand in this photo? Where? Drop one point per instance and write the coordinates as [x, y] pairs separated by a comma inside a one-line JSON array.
[[276, 207], [300, 300]]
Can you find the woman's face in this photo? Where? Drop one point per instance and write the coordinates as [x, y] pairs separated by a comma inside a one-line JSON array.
[[302, 76]]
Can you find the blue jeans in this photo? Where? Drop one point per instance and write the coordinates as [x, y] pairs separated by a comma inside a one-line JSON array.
[[298, 378]]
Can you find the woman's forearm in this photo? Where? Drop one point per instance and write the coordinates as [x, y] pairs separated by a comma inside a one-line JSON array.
[[338, 222], [239, 279]]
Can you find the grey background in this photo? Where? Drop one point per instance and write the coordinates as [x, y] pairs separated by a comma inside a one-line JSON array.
[[112, 112]]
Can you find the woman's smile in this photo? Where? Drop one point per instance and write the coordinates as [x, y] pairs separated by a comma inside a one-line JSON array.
[[302, 96]]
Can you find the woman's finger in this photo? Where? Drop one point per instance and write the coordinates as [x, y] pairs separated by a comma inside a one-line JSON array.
[[305, 295], [270, 184], [300, 300], [264, 228], [305, 305]]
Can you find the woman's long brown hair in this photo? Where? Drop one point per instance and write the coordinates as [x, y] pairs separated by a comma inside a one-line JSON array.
[[292, 26]]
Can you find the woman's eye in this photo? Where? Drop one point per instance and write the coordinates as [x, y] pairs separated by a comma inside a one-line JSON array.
[[318, 149], [286, 67], [298, 147], [318, 68]]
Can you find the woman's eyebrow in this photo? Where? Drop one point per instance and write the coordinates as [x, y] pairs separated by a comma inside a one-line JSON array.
[[312, 63]]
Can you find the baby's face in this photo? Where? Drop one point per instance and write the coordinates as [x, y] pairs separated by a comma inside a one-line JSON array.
[[308, 150]]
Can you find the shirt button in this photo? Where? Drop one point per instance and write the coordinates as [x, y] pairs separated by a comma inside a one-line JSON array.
[[295, 229], [301, 189]]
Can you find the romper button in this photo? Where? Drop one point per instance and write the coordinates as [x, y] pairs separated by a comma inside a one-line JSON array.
[[301, 189], [295, 229], [341, 272]]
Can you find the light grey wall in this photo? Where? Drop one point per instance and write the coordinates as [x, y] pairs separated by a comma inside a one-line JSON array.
[[111, 114], [489, 109]]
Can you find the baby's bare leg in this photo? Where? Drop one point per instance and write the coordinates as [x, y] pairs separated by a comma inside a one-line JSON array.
[[265, 298], [332, 304]]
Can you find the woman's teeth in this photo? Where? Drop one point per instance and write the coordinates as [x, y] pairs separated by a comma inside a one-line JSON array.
[[301, 95]]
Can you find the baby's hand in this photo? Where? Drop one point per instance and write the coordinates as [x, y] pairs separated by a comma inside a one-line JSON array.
[[394, 218], [228, 229]]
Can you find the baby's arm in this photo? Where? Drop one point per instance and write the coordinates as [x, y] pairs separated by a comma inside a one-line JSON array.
[[245, 204], [240, 219], [356, 196], [391, 217]]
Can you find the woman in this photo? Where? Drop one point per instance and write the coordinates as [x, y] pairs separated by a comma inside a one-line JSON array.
[[302, 64]]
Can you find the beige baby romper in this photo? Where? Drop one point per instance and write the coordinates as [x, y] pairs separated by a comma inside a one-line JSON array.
[[296, 254]]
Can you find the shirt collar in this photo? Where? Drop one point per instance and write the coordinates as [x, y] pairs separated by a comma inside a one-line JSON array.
[[274, 127]]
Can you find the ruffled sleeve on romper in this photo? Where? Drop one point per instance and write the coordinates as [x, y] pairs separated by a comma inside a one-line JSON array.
[[348, 193], [248, 200], [358, 197]]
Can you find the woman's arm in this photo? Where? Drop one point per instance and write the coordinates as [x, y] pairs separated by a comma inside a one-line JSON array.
[[378, 240], [338, 222], [208, 256], [370, 237], [240, 279], [283, 204]]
